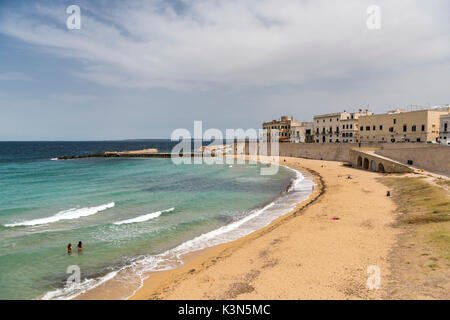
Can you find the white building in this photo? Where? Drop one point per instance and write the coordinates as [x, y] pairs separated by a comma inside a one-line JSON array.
[[302, 132], [337, 127]]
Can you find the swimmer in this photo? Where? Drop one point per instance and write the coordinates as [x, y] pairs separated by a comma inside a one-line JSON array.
[[69, 248], [80, 246]]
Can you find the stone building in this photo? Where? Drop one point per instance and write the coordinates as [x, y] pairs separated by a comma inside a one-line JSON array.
[[444, 129], [283, 125], [302, 132], [401, 126], [337, 127]]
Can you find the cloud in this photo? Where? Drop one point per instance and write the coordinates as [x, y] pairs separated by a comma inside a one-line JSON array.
[[200, 44]]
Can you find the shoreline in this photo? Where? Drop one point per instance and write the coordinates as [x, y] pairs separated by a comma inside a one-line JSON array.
[[118, 289], [202, 257], [250, 268]]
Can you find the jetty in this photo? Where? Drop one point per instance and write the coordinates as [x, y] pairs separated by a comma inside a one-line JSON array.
[[145, 153]]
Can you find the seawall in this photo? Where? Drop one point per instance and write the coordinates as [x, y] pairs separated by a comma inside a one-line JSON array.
[[432, 157]]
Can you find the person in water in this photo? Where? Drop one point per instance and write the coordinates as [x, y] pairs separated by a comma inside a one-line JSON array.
[[80, 246], [69, 248]]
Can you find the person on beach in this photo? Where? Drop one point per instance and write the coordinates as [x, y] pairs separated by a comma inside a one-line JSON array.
[[69, 248], [80, 246]]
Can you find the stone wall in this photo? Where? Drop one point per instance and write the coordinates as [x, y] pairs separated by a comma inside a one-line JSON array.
[[324, 151], [432, 157], [328, 151], [370, 161], [425, 156]]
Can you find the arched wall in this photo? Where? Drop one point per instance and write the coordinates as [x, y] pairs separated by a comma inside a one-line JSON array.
[[366, 163]]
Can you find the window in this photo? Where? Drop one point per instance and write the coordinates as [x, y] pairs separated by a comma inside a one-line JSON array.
[[404, 128], [391, 129], [367, 128], [361, 128], [423, 127], [374, 128], [381, 127], [445, 127], [395, 121], [413, 129]]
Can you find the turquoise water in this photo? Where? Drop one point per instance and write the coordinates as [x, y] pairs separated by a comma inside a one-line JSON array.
[[122, 210]]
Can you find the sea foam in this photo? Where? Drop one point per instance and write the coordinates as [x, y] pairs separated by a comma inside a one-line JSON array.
[[145, 217], [70, 214]]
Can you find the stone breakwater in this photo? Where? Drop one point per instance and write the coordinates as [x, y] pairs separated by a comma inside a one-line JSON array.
[[131, 155], [210, 151]]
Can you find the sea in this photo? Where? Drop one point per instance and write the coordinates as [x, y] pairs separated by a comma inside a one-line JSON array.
[[134, 216]]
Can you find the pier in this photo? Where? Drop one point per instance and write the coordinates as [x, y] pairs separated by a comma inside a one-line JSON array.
[[134, 155]]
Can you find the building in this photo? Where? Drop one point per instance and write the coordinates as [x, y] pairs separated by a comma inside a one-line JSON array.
[[283, 125], [326, 126], [350, 128], [349, 131], [302, 132], [338, 127], [401, 126], [444, 130]]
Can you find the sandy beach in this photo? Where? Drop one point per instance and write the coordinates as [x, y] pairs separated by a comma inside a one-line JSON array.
[[320, 250]]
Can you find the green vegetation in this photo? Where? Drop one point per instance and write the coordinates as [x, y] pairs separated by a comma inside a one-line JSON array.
[[443, 182], [419, 201], [425, 212]]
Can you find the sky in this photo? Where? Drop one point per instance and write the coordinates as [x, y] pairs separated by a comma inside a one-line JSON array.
[[143, 68]]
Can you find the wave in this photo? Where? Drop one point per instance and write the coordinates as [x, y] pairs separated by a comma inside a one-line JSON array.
[[74, 289], [299, 190], [54, 159], [145, 217], [70, 214]]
